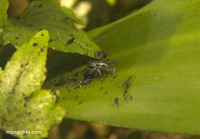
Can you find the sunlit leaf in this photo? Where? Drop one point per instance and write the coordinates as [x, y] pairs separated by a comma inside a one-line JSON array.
[[156, 84], [3, 15], [24, 107]]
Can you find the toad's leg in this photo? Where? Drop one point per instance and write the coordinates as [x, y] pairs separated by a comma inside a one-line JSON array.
[[108, 69], [113, 71], [99, 71]]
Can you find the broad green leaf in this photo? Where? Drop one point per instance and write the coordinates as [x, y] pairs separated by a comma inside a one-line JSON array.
[[47, 14], [156, 84], [24, 107], [3, 15]]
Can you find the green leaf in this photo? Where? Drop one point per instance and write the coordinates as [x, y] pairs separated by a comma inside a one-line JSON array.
[[1, 71], [3, 15], [47, 14], [24, 107], [156, 84]]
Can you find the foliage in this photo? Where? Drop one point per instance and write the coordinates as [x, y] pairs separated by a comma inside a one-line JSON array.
[[47, 14], [156, 83], [155, 86], [22, 99], [3, 9]]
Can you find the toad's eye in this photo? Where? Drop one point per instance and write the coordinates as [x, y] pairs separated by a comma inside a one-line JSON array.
[[91, 65]]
